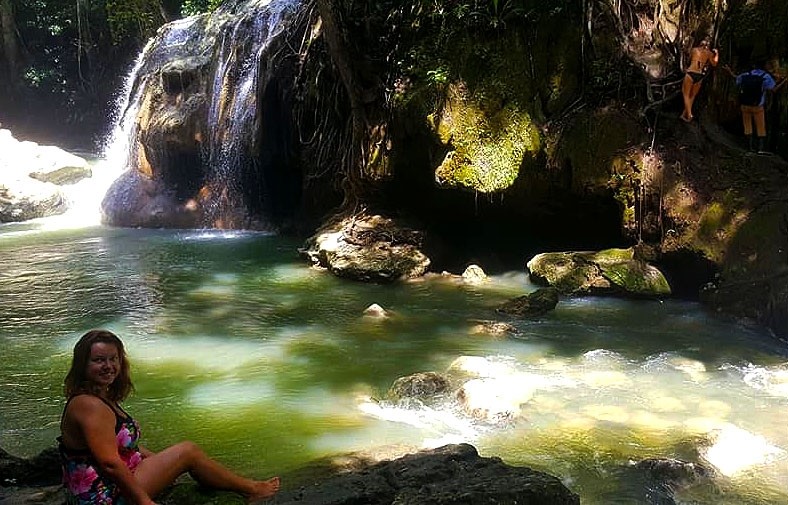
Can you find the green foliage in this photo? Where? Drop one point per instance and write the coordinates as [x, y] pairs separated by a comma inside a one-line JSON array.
[[133, 18], [192, 7]]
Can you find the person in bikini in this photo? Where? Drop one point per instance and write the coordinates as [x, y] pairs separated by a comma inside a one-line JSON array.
[[701, 58], [103, 462]]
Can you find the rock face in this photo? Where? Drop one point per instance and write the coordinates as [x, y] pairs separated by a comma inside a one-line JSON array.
[[368, 248], [202, 153], [453, 474], [31, 176], [611, 271]]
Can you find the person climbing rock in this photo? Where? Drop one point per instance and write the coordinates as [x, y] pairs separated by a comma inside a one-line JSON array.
[[753, 86], [701, 59]]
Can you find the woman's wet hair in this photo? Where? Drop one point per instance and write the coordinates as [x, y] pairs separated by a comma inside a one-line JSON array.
[[76, 381]]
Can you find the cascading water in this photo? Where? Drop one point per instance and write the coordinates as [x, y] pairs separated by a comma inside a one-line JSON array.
[[85, 196], [195, 139], [234, 104]]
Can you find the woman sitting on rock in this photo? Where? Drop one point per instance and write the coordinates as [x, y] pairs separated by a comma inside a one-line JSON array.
[[102, 460]]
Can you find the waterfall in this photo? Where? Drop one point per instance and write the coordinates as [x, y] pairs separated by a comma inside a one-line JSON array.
[[85, 196], [234, 109], [192, 124]]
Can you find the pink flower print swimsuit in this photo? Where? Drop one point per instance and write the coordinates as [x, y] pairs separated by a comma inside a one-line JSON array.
[[82, 479]]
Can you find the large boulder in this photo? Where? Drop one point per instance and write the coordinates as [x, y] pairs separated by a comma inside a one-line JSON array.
[[611, 271], [453, 474], [368, 248], [31, 176]]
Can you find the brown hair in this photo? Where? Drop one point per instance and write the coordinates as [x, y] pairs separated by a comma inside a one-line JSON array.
[[76, 382]]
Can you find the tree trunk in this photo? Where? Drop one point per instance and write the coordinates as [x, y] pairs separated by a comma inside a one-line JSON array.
[[11, 58]]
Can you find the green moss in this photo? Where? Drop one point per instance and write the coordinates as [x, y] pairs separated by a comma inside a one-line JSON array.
[[611, 256], [712, 220], [488, 142]]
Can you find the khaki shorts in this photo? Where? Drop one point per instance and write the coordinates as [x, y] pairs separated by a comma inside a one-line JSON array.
[[750, 113]]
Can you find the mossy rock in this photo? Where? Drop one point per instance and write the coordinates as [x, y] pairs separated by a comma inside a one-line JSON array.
[[488, 141], [610, 271], [564, 271], [637, 278]]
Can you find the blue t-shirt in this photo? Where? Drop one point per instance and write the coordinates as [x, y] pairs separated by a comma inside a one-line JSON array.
[[768, 82]]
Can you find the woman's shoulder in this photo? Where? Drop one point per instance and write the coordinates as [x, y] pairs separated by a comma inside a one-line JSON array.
[[85, 402]]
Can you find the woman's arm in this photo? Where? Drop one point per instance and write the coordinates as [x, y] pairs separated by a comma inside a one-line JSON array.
[[96, 423]]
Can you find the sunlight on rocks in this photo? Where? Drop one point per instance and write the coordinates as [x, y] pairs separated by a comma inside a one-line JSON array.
[[610, 413], [478, 366], [650, 421], [734, 450], [714, 409], [667, 404], [206, 353], [290, 275], [605, 379], [695, 370], [231, 393]]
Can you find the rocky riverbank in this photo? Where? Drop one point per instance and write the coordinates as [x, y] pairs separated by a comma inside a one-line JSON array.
[[452, 474]]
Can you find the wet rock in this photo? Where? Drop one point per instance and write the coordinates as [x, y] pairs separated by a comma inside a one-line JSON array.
[[376, 311], [610, 271], [368, 248], [496, 400], [663, 478], [43, 469], [418, 385], [474, 275], [533, 304], [453, 474], [493, 328]]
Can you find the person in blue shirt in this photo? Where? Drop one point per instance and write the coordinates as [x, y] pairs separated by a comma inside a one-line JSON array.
[[753, 86]]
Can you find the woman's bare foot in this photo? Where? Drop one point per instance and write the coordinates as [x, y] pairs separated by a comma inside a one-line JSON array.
[[264, 489]]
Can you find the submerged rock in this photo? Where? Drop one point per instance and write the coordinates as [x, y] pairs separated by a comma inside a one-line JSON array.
[[533, 304], [418, 385]]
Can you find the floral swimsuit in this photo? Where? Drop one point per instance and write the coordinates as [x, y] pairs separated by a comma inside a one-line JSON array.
[[81, 476]]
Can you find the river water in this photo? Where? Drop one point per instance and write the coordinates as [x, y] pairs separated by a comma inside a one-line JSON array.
[[237, 344]]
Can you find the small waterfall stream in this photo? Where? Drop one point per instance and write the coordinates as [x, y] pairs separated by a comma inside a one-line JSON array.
[[234, 108]]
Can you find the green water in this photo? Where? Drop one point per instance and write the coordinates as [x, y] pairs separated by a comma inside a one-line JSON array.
[[238, 345]]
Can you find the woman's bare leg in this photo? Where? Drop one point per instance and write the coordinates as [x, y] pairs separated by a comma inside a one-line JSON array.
[[158, 471]]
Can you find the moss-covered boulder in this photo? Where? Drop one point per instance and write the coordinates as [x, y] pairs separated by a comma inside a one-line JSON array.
[[610, 271]]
